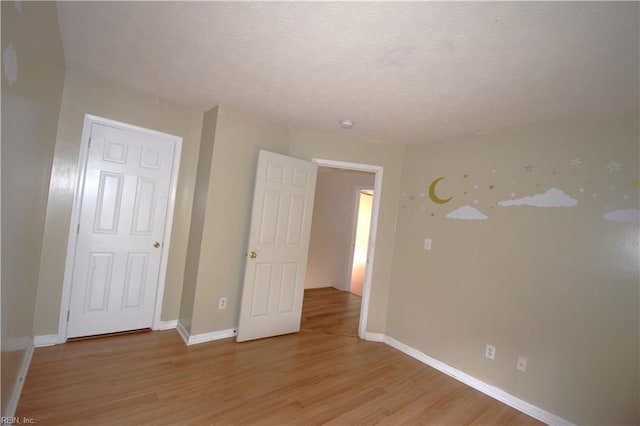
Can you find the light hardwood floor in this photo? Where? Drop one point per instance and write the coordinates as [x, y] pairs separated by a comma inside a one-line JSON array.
[[331, 311], [306, 378]]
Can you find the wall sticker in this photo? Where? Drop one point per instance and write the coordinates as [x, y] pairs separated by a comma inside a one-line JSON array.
[[623, 215], [466, 213], [432, 193], [554, 197], [613, 167], [609, 188]]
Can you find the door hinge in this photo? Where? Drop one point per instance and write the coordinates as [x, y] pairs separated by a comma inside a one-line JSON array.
[[78, 230], [68, 315], [89, 142]]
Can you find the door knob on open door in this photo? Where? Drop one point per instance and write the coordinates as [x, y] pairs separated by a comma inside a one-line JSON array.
[[253, 254], [156, 244]]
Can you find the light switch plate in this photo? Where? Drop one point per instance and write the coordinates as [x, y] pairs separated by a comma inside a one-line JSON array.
[[427, 243]]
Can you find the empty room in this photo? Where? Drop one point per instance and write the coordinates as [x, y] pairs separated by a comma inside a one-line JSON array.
[[297, 213]]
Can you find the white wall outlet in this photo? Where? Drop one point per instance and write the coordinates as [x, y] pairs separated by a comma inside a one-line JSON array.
[[222, 303], [522, 364], [427, 243], [490, 351]]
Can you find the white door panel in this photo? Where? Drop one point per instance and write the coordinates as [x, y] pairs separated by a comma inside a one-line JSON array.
[[122, 217], [280, 226]]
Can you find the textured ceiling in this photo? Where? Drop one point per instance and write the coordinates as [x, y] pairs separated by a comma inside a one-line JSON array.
[[403, 72]]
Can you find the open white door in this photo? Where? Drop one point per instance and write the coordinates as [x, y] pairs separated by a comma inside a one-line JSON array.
[[278, 246]]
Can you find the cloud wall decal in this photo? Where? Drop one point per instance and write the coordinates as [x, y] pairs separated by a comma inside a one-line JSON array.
[[554, 197], [466, 213], [623, 215]]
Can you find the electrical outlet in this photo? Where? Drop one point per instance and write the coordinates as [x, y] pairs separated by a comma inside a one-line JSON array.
[[222, 303], [522, 364], [490, 351]]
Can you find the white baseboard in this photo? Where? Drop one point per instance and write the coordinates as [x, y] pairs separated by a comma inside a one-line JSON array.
[[46, 340], [166, 325], [214, 335], [479, 385], [204, 337], [182, 332], [374, 337], [54, 339], [12, 405]]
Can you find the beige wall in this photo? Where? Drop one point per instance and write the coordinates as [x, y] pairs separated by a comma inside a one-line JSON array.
[[332, 227], [30, 108], [238, 138], [557, 285], [86, 95], [309, 145], [198, 213]]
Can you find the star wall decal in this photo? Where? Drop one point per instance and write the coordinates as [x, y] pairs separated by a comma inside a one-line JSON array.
[[635, 184], [576, 162], [491, 186], [528, 168], [613, 166]]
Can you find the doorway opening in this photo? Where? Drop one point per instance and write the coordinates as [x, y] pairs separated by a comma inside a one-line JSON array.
[[338, 278]]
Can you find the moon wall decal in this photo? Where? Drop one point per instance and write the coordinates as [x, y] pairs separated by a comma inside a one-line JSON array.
[[432, 193]]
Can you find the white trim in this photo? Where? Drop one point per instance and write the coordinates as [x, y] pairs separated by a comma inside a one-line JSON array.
[[214, 335], [377, 190], [485, 388], [89, 121], [374, 337], [12, 404], [165, 325], [182, 332], [46, 340], [204, 337]]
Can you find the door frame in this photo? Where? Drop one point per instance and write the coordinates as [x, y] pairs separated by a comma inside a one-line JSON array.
[[377, 189], [88, 122], [354, 228]]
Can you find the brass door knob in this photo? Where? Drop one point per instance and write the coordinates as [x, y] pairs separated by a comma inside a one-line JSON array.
[[156, 244], [253, 254]]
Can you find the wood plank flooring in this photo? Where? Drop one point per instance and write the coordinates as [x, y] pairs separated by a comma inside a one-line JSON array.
[[330, 311], [308, 378]]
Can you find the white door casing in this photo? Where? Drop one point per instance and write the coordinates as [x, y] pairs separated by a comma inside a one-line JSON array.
[[373, 230], [278, 246], [125, 196]]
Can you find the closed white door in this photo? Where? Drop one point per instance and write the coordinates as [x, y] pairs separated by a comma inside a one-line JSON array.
[[121, 230], [278, 246]]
